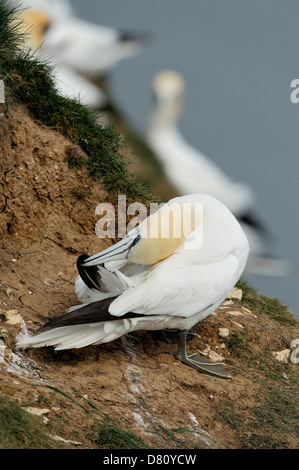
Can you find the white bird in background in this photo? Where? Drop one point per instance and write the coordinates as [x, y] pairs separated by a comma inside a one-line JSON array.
[[190, 171], [81, 51], [155, 278]]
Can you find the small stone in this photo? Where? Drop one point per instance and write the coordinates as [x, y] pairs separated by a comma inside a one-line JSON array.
[[39, 412], [237, 324], [227, 302], [294, 343], [282, 356], [205, 351], [30, 164], [8, 354], [235, 313], [3, 333], [215, 356], [235, 294], [13, 317], [7, 291], [284, 376], [294, 358], [49, 282], [246, 310], [66, 441], [223, 332]]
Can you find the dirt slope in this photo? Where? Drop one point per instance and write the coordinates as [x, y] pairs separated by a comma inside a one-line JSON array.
[[46, 220]]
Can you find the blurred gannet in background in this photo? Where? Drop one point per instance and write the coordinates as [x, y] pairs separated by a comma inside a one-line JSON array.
[[147, 283], [190, 171], [82, 52]]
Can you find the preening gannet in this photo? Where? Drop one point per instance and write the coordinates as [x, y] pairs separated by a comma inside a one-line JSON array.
[[170, 272], [190, 171]]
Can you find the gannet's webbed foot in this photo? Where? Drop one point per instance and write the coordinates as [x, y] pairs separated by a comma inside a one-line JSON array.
[[171, 335], [199, 363]]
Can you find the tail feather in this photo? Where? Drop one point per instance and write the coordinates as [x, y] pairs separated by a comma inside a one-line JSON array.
[[76, 336], [90, 323]]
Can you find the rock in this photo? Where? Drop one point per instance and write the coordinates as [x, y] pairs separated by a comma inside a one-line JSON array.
[[235, 294], [49, 282], [30, 164], [237, 324], [235, 313], [8, 354], [65, 441], [223, 332], [215, 357], [13, 317], [227, 302], [39, 412], [294, 343], [205, 351], [3, 333], [7, 291], [283, 356], [294, 357]]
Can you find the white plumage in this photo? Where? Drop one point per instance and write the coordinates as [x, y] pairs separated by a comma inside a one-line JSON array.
[[171, 282]]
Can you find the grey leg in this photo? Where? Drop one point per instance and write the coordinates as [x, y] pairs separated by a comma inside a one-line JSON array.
[[196, 362], [171, 335]]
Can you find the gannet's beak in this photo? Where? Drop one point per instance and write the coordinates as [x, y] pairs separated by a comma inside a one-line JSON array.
[[119, 251]]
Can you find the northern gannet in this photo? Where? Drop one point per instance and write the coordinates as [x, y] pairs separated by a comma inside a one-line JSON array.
[[170, 272], [82, 52], [190, 171], [86, 47]]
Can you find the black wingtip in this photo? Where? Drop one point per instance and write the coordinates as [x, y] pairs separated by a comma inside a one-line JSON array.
[[81, 259], [254, 222], [89, 274], [138, 38]]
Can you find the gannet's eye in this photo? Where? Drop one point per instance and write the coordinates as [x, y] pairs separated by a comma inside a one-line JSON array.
[[135, 241]]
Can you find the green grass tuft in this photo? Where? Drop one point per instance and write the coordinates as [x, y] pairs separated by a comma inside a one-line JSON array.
[[20, 430], [237, 343], [262, 304], [228, 414], [30, 81], [278, 413], [108, 434]]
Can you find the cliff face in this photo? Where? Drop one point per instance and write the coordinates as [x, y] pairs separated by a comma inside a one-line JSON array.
[[132, 392]]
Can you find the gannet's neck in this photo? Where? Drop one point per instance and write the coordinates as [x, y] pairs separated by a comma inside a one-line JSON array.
[[164, 115]]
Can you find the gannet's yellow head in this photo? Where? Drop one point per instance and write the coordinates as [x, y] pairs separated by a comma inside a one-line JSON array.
[[162, 233], [168, 89], [168, 85], [34, 24], [158, 236]]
